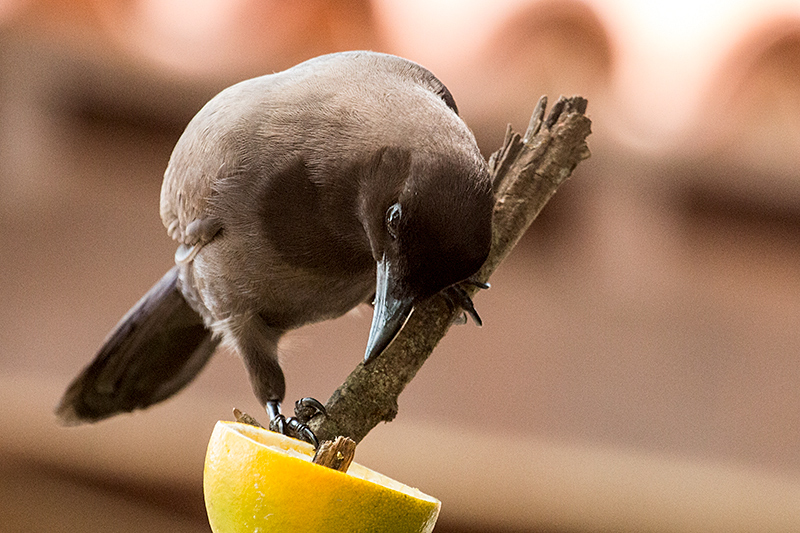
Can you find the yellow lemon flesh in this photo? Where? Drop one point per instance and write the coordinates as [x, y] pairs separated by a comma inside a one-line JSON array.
[[257, 480]]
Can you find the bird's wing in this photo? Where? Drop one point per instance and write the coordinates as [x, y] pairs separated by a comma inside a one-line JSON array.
[[208, 152], [185, 213], [195, 167], [185, 197]]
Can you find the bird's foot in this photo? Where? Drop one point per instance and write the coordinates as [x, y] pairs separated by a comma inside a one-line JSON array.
[[456, 296], [296, 426]]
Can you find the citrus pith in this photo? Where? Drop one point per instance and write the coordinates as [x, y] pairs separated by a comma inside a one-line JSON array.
[[260, 481]]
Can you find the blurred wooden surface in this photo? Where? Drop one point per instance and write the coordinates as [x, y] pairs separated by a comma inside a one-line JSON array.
[[638, 365]]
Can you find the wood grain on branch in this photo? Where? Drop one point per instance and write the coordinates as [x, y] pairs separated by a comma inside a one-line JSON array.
[[526, 173]]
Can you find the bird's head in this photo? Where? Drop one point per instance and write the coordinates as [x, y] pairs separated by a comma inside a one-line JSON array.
[[430, 230]]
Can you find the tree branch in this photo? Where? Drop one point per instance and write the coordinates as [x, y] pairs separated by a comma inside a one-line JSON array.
[[526, 173]]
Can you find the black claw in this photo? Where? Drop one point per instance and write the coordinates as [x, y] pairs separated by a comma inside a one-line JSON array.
[[307, 408], [468, 307], [278, 425], [301, 431], [295, 426], [457, 296]]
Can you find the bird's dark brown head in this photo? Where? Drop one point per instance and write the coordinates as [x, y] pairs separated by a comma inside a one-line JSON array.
[[429, 223], [440, 227], [433, 221]]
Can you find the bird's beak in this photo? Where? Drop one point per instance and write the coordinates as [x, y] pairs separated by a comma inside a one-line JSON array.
[[390, 313]]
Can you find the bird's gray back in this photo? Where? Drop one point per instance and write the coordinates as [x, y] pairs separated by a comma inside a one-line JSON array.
[[363, 100]]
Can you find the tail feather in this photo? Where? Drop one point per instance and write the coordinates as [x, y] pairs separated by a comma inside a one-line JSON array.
[[158, 347]]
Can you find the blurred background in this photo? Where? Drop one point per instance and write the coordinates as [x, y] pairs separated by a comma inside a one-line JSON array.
[[639, 362]]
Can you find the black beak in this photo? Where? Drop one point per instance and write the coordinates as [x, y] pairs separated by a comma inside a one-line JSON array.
[[390, 313]]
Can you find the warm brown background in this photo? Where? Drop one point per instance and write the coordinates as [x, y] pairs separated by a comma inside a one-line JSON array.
[[639, 364]]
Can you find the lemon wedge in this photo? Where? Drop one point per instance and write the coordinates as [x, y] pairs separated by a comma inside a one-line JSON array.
[[257, 480]]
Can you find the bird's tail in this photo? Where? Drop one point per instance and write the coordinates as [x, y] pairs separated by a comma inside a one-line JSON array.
[[156, 349]]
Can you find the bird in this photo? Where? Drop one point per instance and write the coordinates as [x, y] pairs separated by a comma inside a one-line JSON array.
[[294, 197]]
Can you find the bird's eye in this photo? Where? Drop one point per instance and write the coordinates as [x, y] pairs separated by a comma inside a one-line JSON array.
[[393, 219]]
